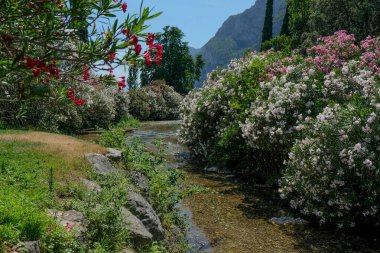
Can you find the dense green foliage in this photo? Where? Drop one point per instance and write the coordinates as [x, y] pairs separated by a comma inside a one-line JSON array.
[[165, 184], [178, 68], [28, 187], [327, 16]]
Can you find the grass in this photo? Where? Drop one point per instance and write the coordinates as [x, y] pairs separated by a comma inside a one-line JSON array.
[[41, 170], [27, 159]]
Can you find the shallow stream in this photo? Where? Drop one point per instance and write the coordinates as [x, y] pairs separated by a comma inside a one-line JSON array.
[[232, 215]]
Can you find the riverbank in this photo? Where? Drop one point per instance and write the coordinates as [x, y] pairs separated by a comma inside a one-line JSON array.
[[53, 200]]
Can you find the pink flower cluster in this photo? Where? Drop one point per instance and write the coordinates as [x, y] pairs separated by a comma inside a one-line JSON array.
[[333, 51], [371, 54]]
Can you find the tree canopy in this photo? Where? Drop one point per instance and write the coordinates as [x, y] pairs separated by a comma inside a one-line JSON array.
[[178, 68]]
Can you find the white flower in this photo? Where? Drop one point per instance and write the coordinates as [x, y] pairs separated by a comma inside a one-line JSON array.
[[358, 147]]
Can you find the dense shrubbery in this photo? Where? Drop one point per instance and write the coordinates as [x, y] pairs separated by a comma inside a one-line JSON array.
[[157, 101], [104, 105], [265, 109]]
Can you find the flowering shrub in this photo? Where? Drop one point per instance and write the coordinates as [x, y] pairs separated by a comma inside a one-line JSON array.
[[157, 101], [310, 111], [104, 105], [333, 173]]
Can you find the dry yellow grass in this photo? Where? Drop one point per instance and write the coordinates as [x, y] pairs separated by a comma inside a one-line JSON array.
[[55, 143], [66, 152]]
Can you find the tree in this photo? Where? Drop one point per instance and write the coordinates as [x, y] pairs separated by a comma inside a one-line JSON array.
[[285, 23], [46, 46], [361, 18], [314, 18], [299, 13], [268, 22], [178, 68], [132, 77]]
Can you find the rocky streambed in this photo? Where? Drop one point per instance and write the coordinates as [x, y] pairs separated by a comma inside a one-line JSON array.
[[234, 215]]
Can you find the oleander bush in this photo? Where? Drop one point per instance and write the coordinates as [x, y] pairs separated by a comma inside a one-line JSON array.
[[104, 105], [333, 172], [254, 114], [156, 101]]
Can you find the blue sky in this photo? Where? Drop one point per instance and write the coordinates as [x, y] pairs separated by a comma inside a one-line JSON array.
[[198, 19]]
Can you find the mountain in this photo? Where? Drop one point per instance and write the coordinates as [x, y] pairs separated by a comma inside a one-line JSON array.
[[239, 33]]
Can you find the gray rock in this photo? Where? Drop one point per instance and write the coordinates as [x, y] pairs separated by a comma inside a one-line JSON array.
[[217, 170], [136, 227], [126, 251], [287, 220], [91, 185], [100, 163], [144, 211], [71, 219], [141, 181], [114, 154], [32, 246]]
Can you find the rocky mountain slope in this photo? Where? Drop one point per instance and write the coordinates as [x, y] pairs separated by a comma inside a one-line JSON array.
[[239, 33]]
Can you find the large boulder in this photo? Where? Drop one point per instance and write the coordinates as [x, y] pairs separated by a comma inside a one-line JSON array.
[[144, 211], [71, 219], [32, 246], [100, 163], [140, 180], [91, 185], [114, 154], [137, 229]]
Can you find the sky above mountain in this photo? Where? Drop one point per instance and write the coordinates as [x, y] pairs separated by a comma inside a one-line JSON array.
[[198, 19]]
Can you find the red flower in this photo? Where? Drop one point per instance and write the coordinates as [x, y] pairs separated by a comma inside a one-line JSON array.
[[36, 72], [150, 39], [134, 39], [125, 31], [39, 63], [148, 59], [86, 74], [124, 7], [71, 94], [111, 56], [121, 84], [80, 101], [138, 49], [160, 49]]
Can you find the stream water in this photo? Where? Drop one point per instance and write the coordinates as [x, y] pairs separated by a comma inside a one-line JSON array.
[[232, 215]]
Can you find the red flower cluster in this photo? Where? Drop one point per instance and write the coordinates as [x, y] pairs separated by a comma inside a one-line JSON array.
[[37, 66], [111, 56], [86, 74], [121, 84], [154, 54], [71, 94], [138, 49], [150, 40], [135, 41], [124, 7]]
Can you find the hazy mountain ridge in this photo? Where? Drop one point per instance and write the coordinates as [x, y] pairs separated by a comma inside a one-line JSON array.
[[237, 34]]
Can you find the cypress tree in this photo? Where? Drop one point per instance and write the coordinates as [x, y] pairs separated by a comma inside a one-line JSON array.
[[268, 23], [285, 24]]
